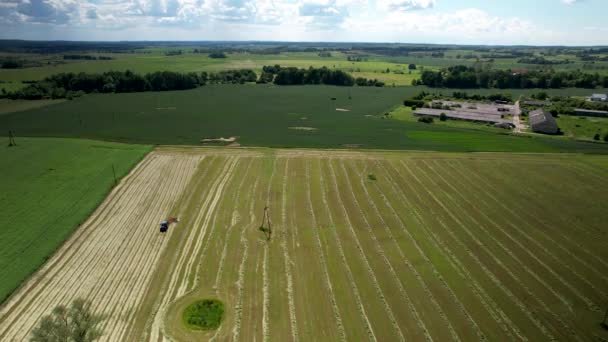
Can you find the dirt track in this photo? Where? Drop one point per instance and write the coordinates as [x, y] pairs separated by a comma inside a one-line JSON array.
[[110, 258]]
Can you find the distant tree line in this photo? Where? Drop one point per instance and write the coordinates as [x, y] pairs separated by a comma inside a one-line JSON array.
[[542, 61], [11, 64], [70, 85], [461, 76], [87, 57], [297, 76], [217, 54]]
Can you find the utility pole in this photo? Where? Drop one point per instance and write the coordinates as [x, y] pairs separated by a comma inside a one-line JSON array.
[[114, 172], [11, 139], [266, 227]]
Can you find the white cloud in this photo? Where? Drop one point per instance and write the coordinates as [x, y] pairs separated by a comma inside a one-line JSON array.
[[570, 2], [405, 5]]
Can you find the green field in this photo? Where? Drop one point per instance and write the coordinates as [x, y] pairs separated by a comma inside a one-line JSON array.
[[272, 116], [49, 187], [440, 246], [583, 127]]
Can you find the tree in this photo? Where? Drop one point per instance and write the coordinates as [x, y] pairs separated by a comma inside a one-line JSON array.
[[596, 136], [412, 67], [74, 324], [443, 117], [606, 137]]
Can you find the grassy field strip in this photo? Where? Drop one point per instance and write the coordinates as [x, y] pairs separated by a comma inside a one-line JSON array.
[[154, 324], [521, 265], [241, 282], [174, 283], [308, 271], [86, 270], [415, 315], [43, 279], [495, 311], [537, 245], [65, 252], [342, 272], [231, 242], [535, 179], [362, 255], [532, 314], [145, 257], [74, 274], [129, 315], [505, 248], [324, 189], [453, 299], [434, 308], [286, 259], [189, 269], [322, 257], [526, 196], [192, 275], [235, 219], [265, 275]]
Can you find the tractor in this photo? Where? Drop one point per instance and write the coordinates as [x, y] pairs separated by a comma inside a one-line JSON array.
[[164, 225]]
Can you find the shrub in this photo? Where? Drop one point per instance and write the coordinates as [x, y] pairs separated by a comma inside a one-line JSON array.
[[443, 117], [596, 136], [426, 119], [371, 177], [413, 103], [606, 137], [204, 314]]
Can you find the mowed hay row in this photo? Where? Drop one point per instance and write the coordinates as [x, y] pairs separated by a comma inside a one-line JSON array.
[[110, 258], [433, 247]]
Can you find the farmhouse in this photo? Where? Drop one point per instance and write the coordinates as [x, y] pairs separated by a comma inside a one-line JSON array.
[[589, 112], [542, 121], [599, 98]]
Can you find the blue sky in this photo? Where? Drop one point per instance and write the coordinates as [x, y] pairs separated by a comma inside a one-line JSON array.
[[504, 22]]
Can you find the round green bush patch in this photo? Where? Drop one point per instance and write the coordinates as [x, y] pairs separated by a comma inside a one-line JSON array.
[[205, 314]]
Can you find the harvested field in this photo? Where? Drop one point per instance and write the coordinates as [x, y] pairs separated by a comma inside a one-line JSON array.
[[438, 247]]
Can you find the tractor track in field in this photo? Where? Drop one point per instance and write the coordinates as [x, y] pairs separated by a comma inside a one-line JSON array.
[[531, 314], [497, 314], [434, 270], [541, 246], [520, 265], [550, 237], [431, 298], [353, 284], [108, 275], [322, 258], [363, 257]]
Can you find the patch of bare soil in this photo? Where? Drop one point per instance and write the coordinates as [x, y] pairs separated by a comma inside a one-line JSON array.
[[352, 145], [301, 128], [234, 144], [220, 139], [342, 110]]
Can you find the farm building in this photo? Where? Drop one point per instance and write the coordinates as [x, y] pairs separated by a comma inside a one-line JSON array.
[[462, 115], [542, 121], [589, 112], [598, 98]]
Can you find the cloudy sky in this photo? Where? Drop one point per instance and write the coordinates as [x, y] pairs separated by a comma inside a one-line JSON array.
[[535, 22]]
